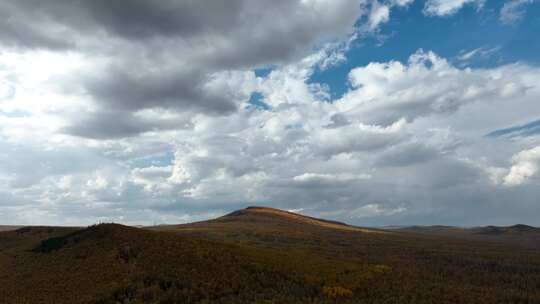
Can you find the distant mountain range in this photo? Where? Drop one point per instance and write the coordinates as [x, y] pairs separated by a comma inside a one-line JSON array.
[[265, 255], [487, 230], [517, 234]]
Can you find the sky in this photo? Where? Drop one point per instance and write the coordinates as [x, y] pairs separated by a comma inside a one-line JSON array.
[[372, 112]]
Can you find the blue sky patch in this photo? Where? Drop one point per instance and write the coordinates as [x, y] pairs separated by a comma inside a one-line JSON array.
[[164, 159], [263, 72], [451, 37], [528, 129], [256, 102]]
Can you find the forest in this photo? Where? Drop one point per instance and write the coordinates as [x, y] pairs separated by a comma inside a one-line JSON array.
[[262, 255]]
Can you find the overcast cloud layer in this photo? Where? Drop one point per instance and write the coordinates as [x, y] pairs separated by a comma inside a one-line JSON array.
[[146, 112]]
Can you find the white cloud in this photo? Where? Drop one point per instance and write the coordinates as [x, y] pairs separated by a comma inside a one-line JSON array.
[[152, 177], [513, 11], [379, 14], [404, 143], [397, 141], [478, 52], [329, 178], [372, 210], [525, 165], [448, 7], [386, 92], [401, 2], [357, 137]]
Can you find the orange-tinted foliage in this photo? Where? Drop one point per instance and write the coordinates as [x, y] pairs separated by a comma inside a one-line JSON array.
[[259, 256]]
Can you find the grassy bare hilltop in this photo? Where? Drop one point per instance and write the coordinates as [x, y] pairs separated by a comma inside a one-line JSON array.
[[264, 255]]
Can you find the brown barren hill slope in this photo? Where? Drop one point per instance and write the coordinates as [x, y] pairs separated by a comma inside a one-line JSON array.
[[9, 228], [260, 255], [262, 225]]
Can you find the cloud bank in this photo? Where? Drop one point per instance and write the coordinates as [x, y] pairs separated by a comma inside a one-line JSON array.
[[138, 112]]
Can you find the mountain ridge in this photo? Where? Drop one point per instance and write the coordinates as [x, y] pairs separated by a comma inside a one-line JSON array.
[[261, 255], [271, 217]]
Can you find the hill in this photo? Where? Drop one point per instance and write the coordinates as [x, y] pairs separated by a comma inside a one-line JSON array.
[[111, 263], [519, 229], [267, 220], [261, 255], [8, 228], [519, 235], [254, 213]]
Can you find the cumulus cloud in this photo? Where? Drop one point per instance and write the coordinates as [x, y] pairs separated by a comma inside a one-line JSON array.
[[340, 155], [135, 111], [142, 20], [115, 124], [525, 165], [358, 137], [386, 92], [134, 48]]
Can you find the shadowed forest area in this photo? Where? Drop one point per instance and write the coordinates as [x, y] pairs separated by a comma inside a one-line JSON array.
[[263, 255]]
